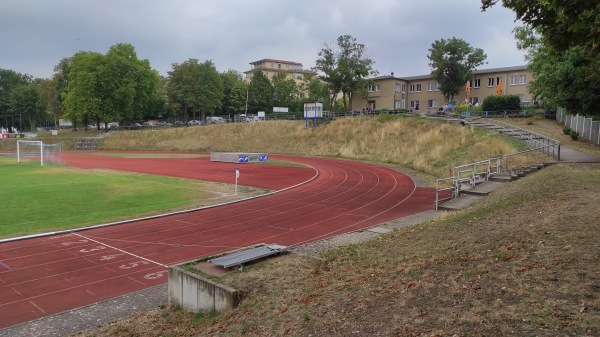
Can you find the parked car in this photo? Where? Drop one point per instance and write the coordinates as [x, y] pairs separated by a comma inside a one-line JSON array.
[[215, 120], [194, 122], [178, 123]]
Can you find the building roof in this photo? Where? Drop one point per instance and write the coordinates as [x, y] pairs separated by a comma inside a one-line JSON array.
[[424, 77], [277, 61]]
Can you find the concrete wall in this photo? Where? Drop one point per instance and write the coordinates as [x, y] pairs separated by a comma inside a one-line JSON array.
[[198, 294], [586, 127]]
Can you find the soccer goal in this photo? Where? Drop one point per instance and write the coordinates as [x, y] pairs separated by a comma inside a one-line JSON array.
[[38, 151]]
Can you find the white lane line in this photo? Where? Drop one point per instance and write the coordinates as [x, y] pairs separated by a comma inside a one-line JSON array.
[[121, 250], [35, 305]]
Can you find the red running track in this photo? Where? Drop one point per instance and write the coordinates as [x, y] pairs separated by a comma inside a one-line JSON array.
[[48, 275]]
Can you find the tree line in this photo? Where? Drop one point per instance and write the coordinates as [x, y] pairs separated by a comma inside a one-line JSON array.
[[92, 88]]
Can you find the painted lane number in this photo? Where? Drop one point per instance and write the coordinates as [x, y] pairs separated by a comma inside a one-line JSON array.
[[95, 249], [132, 265]]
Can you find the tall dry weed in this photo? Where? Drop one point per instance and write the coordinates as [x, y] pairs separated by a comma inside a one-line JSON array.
[[430, 146]]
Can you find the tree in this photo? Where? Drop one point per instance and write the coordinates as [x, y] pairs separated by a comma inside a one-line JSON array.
[[560, 79], [260, 93], [562, 24], [104, 88], [83, 97], [195, 87], [234, 92], [9, 80], [452, 62], [286, 91], [47, 93], [345, 69], [24, 101], [130, 85]]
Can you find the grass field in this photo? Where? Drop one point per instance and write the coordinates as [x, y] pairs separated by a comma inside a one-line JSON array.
[[38, 199]]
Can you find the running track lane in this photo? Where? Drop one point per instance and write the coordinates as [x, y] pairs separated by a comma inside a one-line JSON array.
[[48, 275]]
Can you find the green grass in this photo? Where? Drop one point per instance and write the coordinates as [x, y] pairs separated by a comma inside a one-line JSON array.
[[38, 199]]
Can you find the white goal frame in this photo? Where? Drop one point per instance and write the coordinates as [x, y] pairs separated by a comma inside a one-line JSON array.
[[36, 143]]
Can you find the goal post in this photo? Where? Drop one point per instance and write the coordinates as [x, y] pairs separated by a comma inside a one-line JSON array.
[[37, 150]]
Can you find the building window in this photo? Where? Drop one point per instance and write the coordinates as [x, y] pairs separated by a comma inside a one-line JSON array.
[[279, 65], [414, 105], [491, 82], [373, 88], [513, 80], [522, 79], [398, 87], [415, 88], [498, 80], [437, 86], [404, 88], [432, 103], [476, 83], [431, 86]]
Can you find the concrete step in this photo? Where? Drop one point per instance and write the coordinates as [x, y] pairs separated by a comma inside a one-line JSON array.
[[502, 178], [459, 203], [483, 189]]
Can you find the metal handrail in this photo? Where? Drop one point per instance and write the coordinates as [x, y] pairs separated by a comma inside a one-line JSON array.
[[550, 142], [454, 189], [518, 153]]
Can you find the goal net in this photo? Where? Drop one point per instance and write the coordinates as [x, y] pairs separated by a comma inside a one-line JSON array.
[[35, 150]]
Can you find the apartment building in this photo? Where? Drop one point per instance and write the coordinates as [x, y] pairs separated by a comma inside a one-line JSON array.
[[422, 92], [271, 67]]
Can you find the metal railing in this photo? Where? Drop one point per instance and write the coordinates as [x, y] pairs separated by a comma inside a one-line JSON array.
[[522, 152], [468, 174], [538, 142]]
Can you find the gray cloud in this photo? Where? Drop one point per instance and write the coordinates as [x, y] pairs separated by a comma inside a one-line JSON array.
[[36, 34]]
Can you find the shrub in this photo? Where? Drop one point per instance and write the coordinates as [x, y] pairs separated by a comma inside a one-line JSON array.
[[566, 130], [574, 135], [501, 103]]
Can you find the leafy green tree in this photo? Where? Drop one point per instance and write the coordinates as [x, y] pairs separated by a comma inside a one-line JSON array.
[[9, 80], [135, 83], [260, 93], [24, 101], [234, 92], [48, 95], [316, 89], [285, 92], [345, 68], [560, 78], [105, 88], [452, 62], [195, 88], [84, 94], [564, 24]]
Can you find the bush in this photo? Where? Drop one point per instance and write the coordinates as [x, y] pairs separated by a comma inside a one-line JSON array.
[[566, 130], [501, 103], [574, 135]]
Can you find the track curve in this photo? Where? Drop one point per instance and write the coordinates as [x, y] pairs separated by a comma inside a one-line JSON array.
[[48, 275]]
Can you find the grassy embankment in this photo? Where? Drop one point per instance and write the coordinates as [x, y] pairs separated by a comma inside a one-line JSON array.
[[522, 262], [429, 147]]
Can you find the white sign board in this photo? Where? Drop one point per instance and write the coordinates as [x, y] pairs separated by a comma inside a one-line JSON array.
[[312, 110]]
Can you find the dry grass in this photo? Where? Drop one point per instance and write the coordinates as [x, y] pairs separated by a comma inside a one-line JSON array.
[[428, 146], [523, 262], [553, 129]]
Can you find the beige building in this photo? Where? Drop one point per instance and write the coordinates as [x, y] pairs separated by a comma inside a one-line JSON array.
[[389, 92], [271, 67]]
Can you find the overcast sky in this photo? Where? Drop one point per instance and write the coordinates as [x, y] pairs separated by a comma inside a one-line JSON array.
[[36, 34]]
